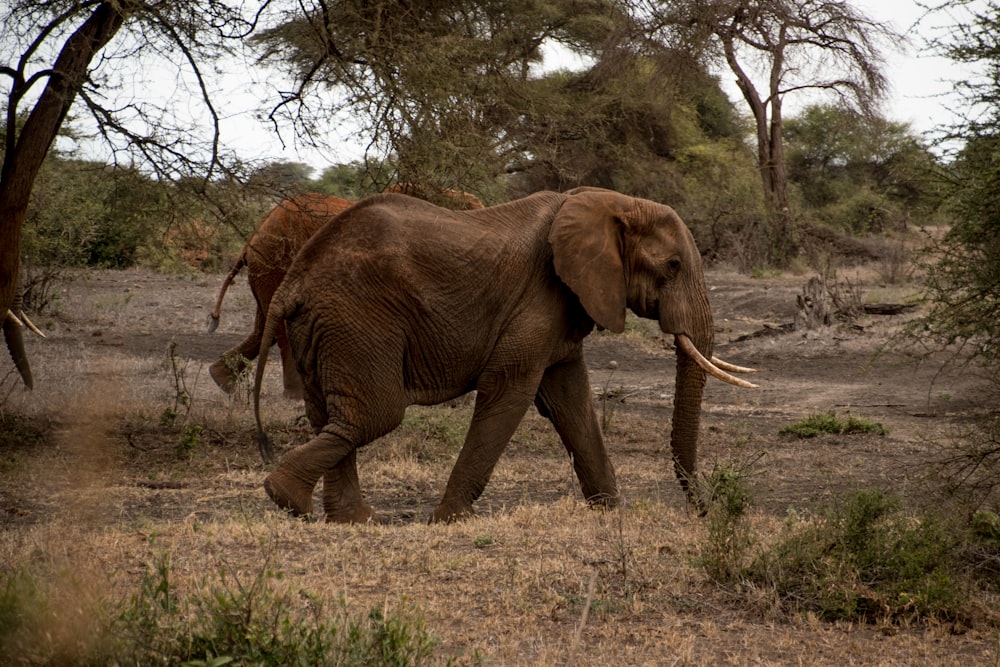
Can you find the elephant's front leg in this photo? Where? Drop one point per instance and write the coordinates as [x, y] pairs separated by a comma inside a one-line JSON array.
[[564, 397], [342, 501], [500, 406]]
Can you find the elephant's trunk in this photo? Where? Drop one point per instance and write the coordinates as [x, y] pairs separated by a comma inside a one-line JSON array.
[[14, 339], [689, 388]]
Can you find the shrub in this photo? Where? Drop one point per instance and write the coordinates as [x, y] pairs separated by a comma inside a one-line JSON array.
[[726, 500], [865, 560], [829, 422]]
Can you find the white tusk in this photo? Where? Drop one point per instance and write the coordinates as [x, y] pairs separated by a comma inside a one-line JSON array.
[[685, 344], [12, 316], [732, 368], [31, 325]]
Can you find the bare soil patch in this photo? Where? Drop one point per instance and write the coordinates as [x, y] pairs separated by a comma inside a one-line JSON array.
[[98, 478]]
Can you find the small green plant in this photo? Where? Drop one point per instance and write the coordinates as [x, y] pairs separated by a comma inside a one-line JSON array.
[[727, 500], [830, 423], [182, 397], [482, 541], [189, 440]]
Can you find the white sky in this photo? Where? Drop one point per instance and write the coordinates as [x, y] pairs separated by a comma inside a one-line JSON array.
[[922, 88], [919, 95]]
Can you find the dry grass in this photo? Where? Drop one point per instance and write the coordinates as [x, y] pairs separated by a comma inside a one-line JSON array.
[[94, 490]]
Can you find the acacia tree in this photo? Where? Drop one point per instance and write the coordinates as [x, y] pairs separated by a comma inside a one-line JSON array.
[[442, 88], [55, 55], [779, 47], [964, 281]]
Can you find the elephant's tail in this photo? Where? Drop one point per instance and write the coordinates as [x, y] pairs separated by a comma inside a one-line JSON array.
[[275, 313], [213, 317]]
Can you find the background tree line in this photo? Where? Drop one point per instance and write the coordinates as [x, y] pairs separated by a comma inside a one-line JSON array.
[[450, 93]]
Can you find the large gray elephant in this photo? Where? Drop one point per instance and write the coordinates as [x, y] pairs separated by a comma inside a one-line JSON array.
[[400, 302]]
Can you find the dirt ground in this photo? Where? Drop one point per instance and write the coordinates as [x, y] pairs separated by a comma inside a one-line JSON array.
[[105, 362]]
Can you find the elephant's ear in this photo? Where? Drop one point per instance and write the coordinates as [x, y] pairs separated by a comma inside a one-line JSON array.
[[586, 240]]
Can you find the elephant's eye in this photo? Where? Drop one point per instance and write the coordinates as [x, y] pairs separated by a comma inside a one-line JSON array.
[[674, 264]]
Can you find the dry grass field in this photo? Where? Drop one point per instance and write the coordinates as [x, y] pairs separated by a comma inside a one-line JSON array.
[[127, 455]]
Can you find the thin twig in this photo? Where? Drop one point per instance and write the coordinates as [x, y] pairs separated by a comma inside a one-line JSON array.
[[583, 620]]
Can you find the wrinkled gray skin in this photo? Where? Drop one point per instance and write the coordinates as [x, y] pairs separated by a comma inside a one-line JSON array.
[[399, 302]]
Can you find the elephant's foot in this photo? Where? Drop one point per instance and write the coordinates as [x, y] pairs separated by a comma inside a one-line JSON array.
[[606, 501], [361, 514], [289, 493], [222, 375], [448, 512]]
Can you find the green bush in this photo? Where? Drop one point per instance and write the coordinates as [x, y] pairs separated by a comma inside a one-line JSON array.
[[726, 500], [866, 560], [829, 422], [260, 622]]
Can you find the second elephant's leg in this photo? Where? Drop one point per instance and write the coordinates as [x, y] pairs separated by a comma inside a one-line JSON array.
[[342, 501], [564, 397], [234, 360]]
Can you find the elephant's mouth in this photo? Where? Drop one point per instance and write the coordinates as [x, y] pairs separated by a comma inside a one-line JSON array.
[[715, 367]]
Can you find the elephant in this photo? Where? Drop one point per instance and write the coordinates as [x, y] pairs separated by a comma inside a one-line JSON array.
[[400, 302], [456, 200], [14, 320], [269, 252]]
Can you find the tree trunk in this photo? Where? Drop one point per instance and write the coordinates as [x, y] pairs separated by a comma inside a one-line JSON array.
[[770, 150], [812, 311], [25, 154]]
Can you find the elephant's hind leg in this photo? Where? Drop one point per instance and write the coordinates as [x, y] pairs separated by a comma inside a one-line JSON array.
[[342, 501], [291, 483], [234, 360]]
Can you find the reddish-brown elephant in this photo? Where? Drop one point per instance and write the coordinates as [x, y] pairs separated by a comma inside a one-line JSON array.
[[268, 254], [403, 302], [456, 200]]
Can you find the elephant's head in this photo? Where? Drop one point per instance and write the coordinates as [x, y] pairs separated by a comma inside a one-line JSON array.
[[617, 252]]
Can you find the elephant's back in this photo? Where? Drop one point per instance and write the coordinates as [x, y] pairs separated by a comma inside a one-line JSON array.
[[395, 241]]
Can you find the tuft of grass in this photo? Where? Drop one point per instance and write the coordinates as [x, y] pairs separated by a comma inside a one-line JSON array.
[[830, 423], [430, 434]]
